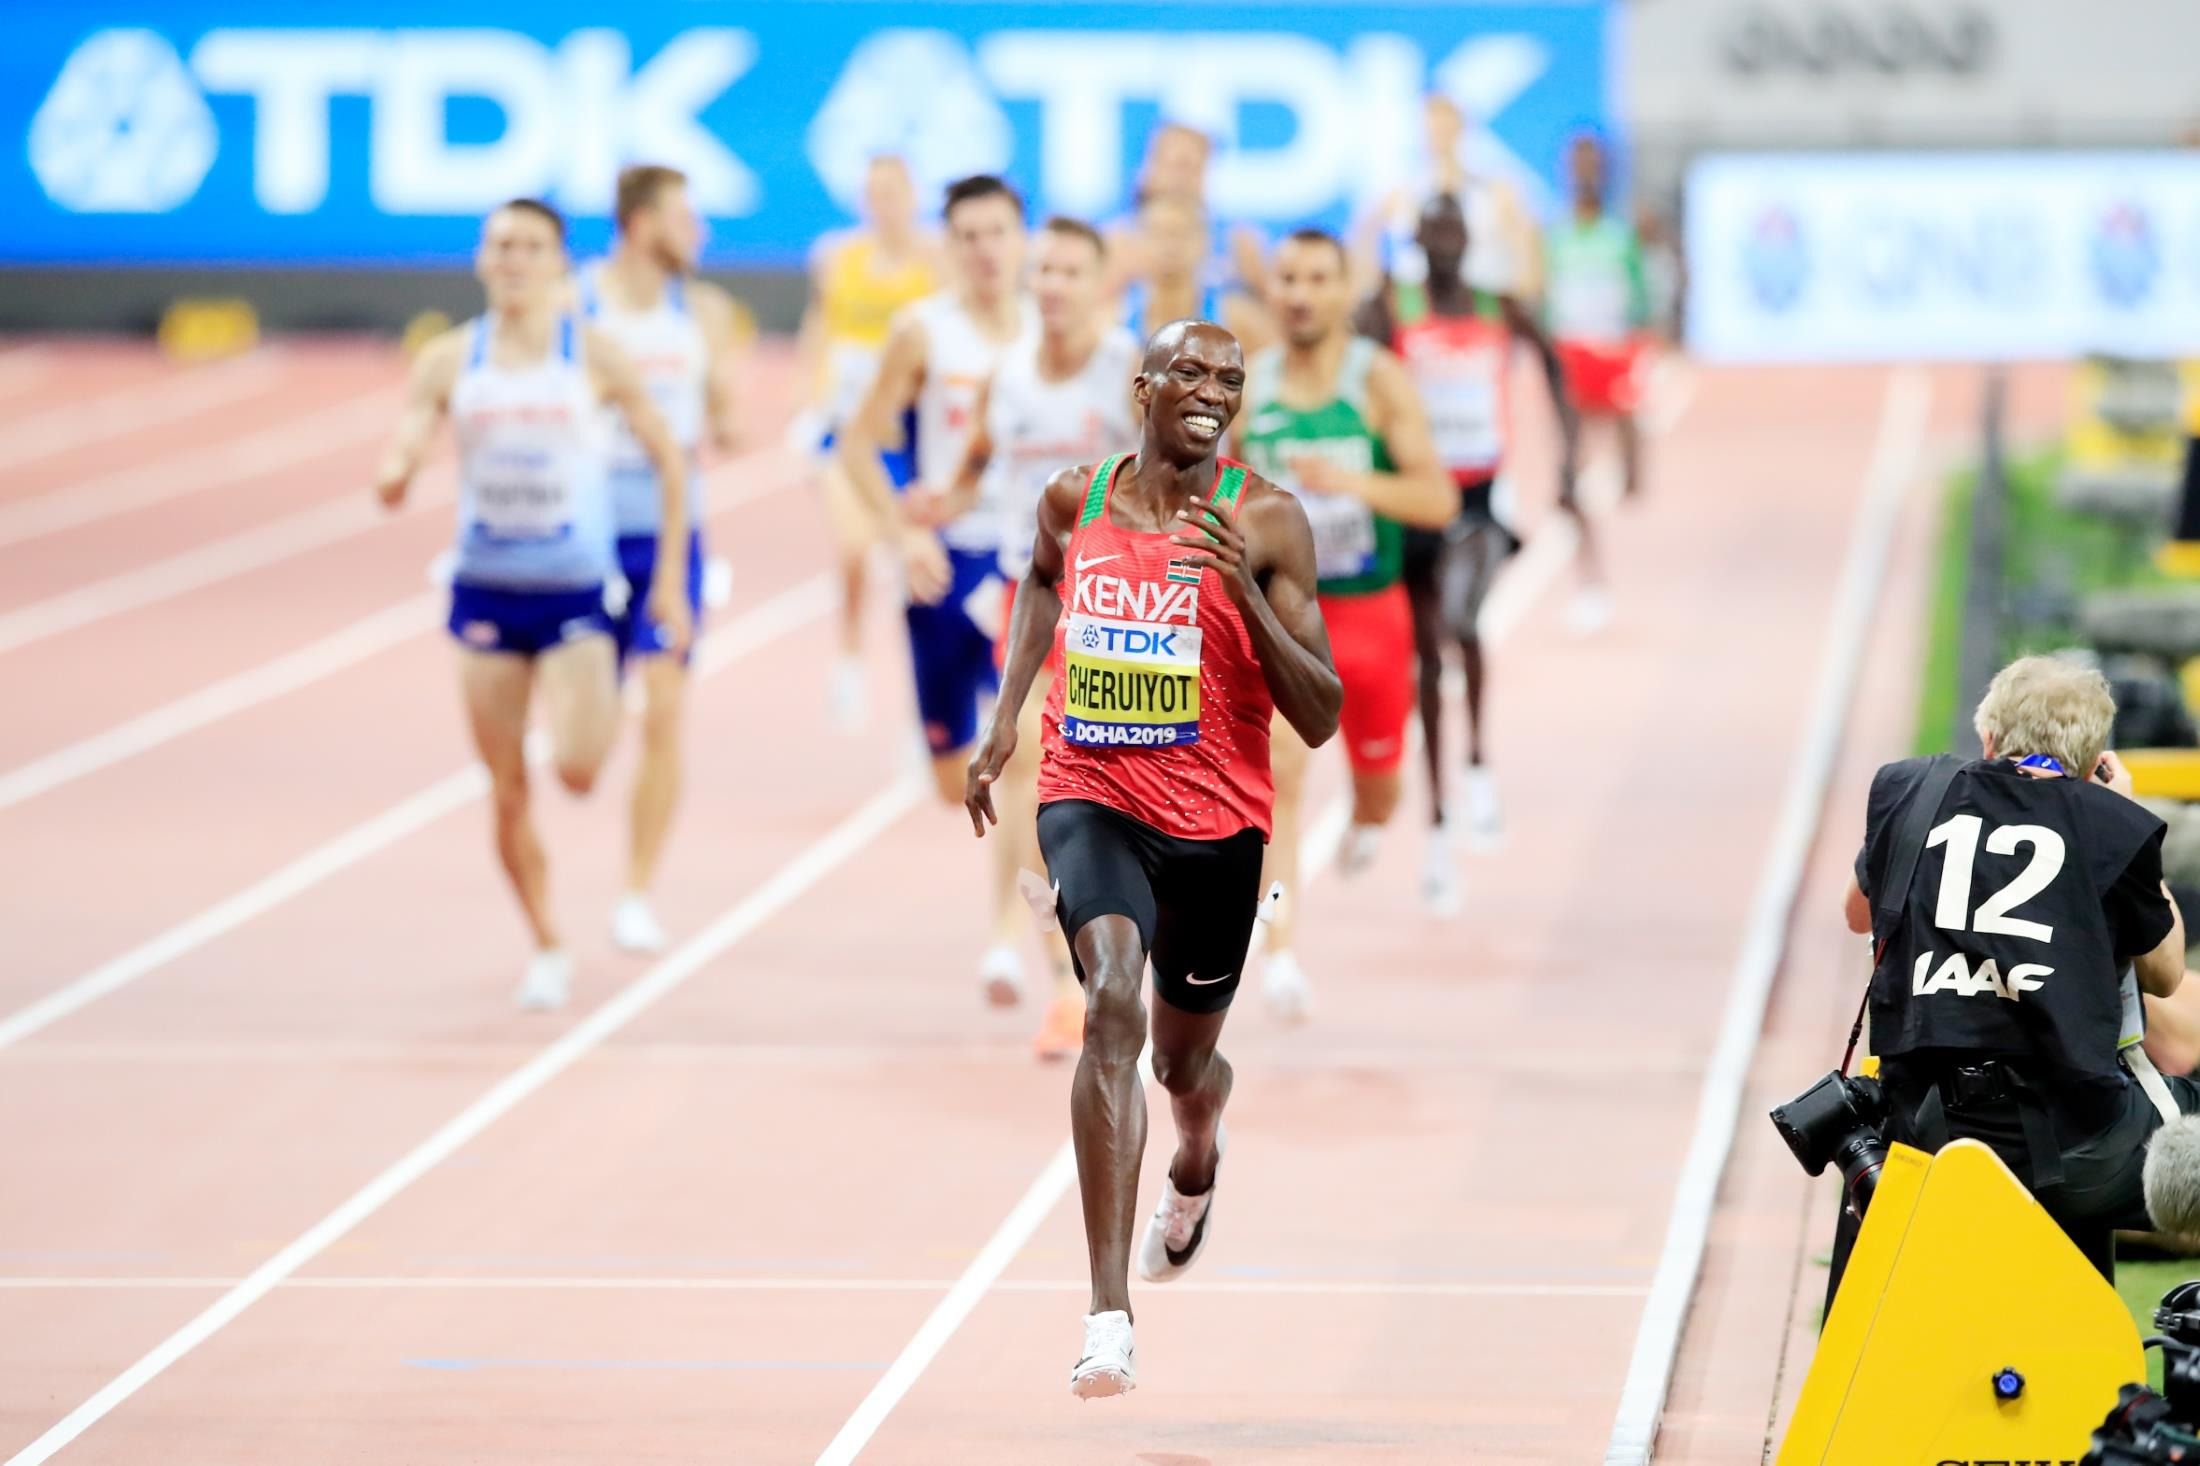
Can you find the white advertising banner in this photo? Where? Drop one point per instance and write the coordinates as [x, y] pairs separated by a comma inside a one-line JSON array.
[[1806, 257]]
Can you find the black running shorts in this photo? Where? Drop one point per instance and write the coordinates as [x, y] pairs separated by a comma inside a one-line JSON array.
[[1193, 901], [1453, 568]]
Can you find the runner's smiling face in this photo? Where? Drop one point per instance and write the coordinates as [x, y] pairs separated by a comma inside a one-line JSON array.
[[1190, 390]]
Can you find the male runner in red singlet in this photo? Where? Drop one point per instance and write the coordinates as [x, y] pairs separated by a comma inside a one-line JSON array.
[[1599, 307], [1456, 343], [1189, 584]]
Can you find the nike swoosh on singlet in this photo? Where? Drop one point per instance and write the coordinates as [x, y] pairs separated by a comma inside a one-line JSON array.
[[1207, 982], [1087, 562]]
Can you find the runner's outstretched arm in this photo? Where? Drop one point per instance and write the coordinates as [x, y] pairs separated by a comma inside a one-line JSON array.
[[427, 398], [716, 313], [620, 384], [961, 496], [900, 378], [1030, 637], [1525, 325], [1265, 557]]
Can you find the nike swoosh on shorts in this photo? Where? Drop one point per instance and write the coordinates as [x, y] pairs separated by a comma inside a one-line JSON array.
[[1206, 982]]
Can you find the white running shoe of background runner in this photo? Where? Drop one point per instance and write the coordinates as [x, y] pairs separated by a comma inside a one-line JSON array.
[[1001, 974], [1590, 611], [1361, 845], [1181, 1226], [634, 927], [548, 981], [1108, 1367], [844, 695], [1482, 812], [1440, 875], [1283, 984]]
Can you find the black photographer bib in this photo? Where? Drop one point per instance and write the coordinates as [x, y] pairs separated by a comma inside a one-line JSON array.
[[2029, 898]]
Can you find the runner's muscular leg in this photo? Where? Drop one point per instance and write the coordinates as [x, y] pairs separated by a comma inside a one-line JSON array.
[[1374, 795], [496, 687], [657, 782], [580, 693], [1108, 1103], [1425, 595], [1198, 1080], [854, 535]]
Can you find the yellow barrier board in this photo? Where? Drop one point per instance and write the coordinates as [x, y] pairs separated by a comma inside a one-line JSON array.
[[201, 330], [2164, 773], [1959, 1277]]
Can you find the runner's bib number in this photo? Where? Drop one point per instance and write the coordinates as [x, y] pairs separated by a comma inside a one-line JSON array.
[[1129, 684], [1462, 401], [1344, 535], [522, 494]]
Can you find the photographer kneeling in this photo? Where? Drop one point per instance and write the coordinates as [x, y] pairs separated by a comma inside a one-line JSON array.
[[2028, 881]]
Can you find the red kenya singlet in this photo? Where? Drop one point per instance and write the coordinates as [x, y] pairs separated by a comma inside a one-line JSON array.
[[1159, 710]]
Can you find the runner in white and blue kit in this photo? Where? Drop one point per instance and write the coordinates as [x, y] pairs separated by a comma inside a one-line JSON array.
[[525, 386], [938, 357], [679, 334]]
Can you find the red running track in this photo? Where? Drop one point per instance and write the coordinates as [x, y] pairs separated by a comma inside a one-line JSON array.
[[705, 1224]]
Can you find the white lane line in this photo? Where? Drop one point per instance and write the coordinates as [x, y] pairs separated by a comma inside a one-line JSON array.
[[1892, 469], [329, 430], [758, 627], [293, 670], [812, 865], [1023, 1219], [1317, 848], [1311, 1287], [209, 564], [287, 673], [140, 406]]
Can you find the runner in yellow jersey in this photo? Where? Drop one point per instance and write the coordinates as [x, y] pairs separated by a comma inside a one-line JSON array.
[[859, 280]]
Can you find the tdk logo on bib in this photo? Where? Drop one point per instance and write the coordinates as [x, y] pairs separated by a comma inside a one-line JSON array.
[[1127, 641]]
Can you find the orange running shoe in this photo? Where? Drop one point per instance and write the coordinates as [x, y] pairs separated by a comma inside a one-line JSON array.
[[1063, 1032]]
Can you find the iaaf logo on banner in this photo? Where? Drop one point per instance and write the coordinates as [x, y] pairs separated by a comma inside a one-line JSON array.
[[126, 126]]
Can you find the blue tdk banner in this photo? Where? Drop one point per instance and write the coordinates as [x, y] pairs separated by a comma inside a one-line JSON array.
[[380, 133]]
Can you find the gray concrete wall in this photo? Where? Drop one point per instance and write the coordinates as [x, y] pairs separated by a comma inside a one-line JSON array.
[[300, 300]]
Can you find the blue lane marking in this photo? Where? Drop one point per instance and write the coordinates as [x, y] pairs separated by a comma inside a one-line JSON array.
[[465, 1365]]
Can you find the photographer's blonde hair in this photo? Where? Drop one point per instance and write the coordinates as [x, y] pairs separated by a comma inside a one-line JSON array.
[[2046, 705]]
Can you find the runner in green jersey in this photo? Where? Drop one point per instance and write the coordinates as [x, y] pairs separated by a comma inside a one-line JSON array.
[[1599, 308], [1332, 417]]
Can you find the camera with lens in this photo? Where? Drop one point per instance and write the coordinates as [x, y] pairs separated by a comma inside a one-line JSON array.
[[1836, 1122], [2146, 1427]]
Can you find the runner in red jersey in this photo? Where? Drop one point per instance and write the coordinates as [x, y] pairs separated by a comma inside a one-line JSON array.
[[1457, 345], [1188, 583]]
